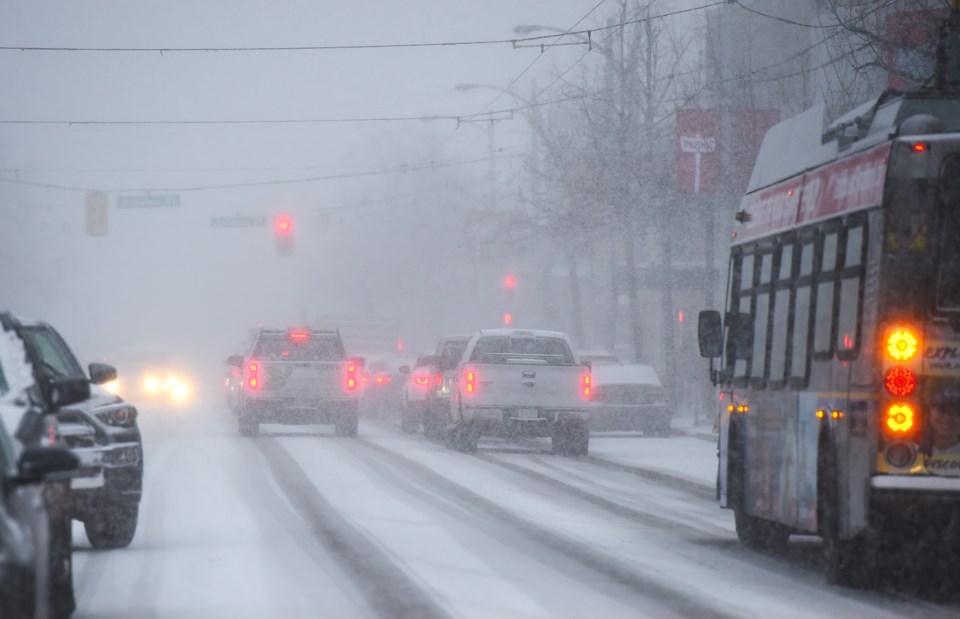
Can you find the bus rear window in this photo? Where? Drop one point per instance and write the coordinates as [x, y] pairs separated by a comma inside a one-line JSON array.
[[948, 271]]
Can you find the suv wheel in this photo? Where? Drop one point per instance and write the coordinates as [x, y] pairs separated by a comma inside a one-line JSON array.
[[408, 418], [247, 423], [112, 527]]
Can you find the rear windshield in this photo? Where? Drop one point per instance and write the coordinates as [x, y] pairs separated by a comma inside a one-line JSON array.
[[948, 271], [532, 350], [279, 346], [453, 349]]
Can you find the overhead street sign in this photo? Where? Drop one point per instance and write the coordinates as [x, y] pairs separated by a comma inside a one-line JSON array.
[[161, 201], [239, 221]]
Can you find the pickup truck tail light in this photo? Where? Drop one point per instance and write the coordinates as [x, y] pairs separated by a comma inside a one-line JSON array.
[[470, 381], [353, 382], [252, 378], [586, 386]]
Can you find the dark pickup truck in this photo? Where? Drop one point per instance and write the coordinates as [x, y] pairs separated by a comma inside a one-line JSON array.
[[101, 430]]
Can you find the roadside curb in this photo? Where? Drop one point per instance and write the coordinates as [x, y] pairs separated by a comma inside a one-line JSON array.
[[695, 433]]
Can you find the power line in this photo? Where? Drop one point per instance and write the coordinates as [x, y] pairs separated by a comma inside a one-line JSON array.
[[261, 121], [785, 20], [290, 181]]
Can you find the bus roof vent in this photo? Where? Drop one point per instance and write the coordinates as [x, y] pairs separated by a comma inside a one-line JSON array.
[[920, 124]]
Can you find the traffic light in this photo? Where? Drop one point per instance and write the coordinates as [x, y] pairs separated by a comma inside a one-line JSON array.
[[283, 234], [510, 282]]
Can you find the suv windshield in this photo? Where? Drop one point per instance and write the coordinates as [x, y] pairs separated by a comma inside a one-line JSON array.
[[56, 358], [506, 349], [316, 348], [948, 271]]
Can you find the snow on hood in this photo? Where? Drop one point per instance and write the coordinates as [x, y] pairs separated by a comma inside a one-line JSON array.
[[631, 374], [18, 375]]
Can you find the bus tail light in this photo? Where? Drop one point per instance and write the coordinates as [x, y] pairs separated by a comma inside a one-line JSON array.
[[900, 455], [901, 418], [902, 344], [352, 382], [253, 376], [586, 386], [900, 382], [470, 381]]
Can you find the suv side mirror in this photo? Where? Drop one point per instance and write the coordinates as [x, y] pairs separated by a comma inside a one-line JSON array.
[[236, 360], [710, 334], [101, 373], [66, 391], [37, 464]]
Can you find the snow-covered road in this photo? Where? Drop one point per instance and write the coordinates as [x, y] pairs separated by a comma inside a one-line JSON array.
[[299, 523]]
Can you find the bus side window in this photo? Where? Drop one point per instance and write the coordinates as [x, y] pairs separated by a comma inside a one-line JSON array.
[[826, 285], [743, 307], [780, 332], [799, 359], [761, 321], [851, 282]]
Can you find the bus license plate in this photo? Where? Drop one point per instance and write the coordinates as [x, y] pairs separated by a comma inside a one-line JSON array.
[[527, 413]]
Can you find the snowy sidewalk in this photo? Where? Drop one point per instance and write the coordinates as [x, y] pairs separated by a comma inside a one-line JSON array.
[[686, 458]]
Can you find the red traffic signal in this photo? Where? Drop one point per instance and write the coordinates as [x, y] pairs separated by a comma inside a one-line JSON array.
[[510, 282], [283, 234], [283, 224]]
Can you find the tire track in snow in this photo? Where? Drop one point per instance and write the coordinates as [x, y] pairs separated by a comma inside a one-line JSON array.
[[630, 513], [389, 590], [674, 600]]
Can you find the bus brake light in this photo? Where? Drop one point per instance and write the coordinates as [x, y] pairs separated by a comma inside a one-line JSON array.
[[900, 418], [900, 382], [902, 345]]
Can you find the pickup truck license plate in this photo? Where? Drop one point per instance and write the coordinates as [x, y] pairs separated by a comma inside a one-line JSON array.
[[527, 413]]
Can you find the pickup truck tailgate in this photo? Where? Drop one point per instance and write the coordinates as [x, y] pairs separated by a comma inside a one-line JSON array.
[[529, 386], [302, 380]]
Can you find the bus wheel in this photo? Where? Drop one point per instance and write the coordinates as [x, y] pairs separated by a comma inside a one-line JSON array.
[[844, 561], [754, 532]]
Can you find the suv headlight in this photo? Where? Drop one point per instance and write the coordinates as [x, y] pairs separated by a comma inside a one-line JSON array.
[[121, 416]]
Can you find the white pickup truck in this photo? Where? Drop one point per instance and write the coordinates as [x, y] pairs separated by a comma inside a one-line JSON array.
[[298, 376], [521, 383]]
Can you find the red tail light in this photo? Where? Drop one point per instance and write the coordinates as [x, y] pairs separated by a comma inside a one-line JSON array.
[[382, 379], [253, 376], [586, 386], [352, 382], [470, 382], [439, 379], [421, 380]]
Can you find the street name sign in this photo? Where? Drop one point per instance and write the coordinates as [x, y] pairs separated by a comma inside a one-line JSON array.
[[160, 201]]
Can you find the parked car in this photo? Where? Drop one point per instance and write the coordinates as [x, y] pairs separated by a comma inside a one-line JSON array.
[[36, 560], [100, 428], [629, 398], [520, 382]]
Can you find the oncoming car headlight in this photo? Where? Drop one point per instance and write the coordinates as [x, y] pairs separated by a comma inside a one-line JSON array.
[[122, 416]]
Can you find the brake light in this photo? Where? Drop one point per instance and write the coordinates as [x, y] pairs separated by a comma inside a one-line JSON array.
[[253, 376], [470, 381], [902, 345], [586, 385], [900, 418], [439, 379], [299, 335], [421, 380], [382, 379], [900, 382], [351, 376]]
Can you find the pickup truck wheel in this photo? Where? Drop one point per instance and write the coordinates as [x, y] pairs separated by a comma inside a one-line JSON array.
[[431, 425], [347, 424], [571, 439], [112, 527], [247, 424], [466, 436]]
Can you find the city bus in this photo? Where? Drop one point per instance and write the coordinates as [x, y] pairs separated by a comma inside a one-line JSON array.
[[838, 353]]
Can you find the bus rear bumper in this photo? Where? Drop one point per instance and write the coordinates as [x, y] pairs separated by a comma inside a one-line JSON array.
[[925, 507]]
